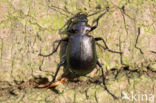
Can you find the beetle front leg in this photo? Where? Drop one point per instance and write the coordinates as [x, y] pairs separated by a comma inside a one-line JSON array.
[[54, 49], [97, 20], [103, 81], [106, 47], [94, 27]]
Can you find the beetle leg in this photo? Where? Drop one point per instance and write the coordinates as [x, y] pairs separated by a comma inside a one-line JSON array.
[[97, 20], [55, 49], [106, 47], [94, 27], [52, 84], [70, 31], [57, 70], [103, 80]]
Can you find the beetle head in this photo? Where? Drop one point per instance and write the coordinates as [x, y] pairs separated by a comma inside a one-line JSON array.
[[82, 17]]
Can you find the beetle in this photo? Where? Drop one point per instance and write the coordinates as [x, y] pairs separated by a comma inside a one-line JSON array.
[[81, 56]]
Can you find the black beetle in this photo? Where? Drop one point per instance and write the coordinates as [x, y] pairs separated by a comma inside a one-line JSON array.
[[81, 57]]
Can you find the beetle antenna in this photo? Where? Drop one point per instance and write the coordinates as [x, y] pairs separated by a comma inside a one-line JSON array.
[[106, 9], [58, 10], [61, 10], [100, 16]]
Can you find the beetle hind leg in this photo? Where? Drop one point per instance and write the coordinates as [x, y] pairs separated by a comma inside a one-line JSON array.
[[53, 83], [103, 80]]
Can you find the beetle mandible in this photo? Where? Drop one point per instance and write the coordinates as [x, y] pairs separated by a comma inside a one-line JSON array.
[[81, 57]]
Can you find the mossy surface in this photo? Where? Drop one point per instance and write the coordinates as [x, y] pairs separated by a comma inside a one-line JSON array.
[[28, 27]]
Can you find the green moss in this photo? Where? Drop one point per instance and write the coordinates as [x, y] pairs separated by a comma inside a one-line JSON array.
[[23, 4], [20, 50], [5, 24], [108, 58], [137, 2], [33, 13], [152, 67], [3, 2], [123, 2], [56, 21], [72, 5], [126, 60], [149, 30], [45, 21], [101, 3]]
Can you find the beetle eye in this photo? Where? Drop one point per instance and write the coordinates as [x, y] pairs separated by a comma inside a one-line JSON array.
[[87, 30]]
